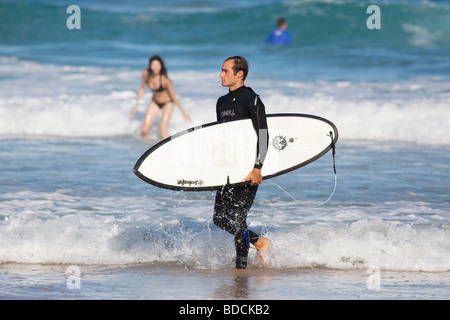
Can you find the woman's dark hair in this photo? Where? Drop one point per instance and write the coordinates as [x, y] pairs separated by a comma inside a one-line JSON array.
[[163, 71], [239, 64]]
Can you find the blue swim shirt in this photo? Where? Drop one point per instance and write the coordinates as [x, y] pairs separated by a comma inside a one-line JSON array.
[[279, 37]]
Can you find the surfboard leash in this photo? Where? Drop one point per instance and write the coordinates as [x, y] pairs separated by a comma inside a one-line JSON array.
[[308, 205], [333, 149]]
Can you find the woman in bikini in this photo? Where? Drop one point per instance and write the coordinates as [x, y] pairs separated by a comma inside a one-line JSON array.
[[163, 97]]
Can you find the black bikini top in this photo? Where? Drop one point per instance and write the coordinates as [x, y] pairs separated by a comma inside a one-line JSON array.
[[161, 88]]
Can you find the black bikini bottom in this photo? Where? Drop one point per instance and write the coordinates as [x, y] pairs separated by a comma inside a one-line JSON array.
[[161, 105]]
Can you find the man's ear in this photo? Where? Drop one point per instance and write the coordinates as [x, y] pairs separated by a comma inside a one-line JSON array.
[[240, 74]]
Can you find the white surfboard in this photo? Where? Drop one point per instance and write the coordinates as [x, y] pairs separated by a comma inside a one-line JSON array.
[[209, 156]]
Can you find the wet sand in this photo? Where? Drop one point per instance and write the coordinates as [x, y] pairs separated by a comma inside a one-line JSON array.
[[174, 282]]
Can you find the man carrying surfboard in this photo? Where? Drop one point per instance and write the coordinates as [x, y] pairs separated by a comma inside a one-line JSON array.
[[233, 202]]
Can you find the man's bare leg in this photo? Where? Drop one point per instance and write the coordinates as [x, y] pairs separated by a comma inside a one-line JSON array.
[[262, 245]]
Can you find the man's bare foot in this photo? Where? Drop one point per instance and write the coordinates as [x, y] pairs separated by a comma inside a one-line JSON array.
[[239, 271], [262, 245]]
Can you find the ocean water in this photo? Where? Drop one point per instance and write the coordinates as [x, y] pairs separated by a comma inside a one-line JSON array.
[[70, 201]]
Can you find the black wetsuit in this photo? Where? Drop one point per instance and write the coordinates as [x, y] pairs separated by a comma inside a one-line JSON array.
[[233, 203]]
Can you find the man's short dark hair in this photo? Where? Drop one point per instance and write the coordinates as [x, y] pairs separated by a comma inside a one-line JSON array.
[[281, 22], [239, 64]]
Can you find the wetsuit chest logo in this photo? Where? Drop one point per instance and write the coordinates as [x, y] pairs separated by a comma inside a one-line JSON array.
[[228, 113]]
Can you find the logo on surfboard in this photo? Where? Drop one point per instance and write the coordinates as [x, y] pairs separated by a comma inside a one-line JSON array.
[[184, 182], [280, 142]]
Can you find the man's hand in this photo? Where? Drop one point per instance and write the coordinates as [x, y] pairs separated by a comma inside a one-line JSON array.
[[254, 176]]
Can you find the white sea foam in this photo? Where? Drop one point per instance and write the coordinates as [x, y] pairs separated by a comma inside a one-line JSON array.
[[59, 228], [358, 245], [68, 101], [421, 36]]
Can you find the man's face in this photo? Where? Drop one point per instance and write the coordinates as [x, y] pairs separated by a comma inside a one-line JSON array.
[[229, 79]]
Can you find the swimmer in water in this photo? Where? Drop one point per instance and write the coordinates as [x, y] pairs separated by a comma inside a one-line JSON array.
[[279, 37], [163, 97]]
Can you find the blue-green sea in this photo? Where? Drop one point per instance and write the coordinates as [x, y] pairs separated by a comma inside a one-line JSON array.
[[70, 201]]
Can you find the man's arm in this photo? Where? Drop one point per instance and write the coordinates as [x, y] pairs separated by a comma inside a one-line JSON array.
[[259, 121]]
